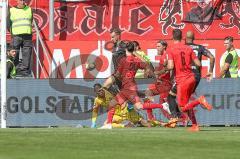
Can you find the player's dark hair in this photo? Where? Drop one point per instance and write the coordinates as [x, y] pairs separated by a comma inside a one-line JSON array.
[[117, 31], [136, 44], [177, 34], [163, 42], [97, 84], [130, 46], [229, 38]]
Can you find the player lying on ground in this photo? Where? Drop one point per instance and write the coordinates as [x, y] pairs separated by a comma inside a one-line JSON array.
[[126, 72], [128, 117], [103, 97], [124, 115]]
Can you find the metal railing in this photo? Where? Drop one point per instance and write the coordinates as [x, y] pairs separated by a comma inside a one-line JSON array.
[[40, 43]]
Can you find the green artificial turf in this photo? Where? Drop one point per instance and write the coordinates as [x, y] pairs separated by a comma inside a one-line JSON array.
[[137, 143]]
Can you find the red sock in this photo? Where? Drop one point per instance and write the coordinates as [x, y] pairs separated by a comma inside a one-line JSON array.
[[190, 105], [192, 116], [110, 115], [152, 106], [149, 114]]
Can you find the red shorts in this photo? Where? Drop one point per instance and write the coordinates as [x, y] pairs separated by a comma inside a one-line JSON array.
[[161, 88], [126, 94], [185, 90]]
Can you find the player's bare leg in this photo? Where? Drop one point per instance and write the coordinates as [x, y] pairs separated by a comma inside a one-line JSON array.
[[149, 98], [192, 117]]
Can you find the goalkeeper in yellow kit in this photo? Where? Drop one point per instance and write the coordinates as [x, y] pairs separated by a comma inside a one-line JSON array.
[[124, 116]]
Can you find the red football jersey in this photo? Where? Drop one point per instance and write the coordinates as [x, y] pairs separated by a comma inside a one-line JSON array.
[[128, 67], [182, 56], [162, 59]]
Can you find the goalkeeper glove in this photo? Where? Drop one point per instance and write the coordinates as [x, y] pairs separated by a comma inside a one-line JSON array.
[[130, 106]]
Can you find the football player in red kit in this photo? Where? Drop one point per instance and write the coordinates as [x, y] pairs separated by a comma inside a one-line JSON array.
[[180, 59], [163, 83], [126, 72]]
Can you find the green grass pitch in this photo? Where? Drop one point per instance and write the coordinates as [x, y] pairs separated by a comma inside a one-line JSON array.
[[137, 143]]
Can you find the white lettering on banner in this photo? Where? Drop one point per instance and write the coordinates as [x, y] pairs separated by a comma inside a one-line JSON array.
[[106, 57], [66, 66], [66, 63], [152, 53], [74, 61]]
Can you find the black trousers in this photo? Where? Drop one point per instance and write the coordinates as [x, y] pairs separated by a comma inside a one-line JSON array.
[[23, 41]]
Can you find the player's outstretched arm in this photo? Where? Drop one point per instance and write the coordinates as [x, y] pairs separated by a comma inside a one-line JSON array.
[[164, 70], [94, 116], [149, 71], [209, 55]]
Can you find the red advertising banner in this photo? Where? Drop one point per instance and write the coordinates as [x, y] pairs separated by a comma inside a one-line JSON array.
[[138, 19], [69, 58], [81, 30]]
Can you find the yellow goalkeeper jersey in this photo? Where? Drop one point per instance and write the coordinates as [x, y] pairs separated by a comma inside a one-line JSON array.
[[104, 102], [122, 114]]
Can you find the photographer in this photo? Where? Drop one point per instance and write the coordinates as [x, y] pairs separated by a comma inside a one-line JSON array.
[[10, 68]]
